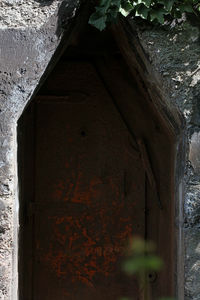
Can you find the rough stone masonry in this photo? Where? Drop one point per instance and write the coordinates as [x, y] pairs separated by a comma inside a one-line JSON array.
[[30, 33], [175, 56]]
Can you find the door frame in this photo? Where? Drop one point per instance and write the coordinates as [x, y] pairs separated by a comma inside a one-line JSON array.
[[141, 70]]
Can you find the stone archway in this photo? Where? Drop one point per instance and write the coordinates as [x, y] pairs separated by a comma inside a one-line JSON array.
[[153, 138], [27, 49]]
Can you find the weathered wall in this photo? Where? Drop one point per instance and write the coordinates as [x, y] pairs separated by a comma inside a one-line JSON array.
[[30, 32], [174, 54]]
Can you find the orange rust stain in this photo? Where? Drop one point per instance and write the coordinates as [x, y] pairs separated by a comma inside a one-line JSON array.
[[67, 165], [91, 242], [75, 189]]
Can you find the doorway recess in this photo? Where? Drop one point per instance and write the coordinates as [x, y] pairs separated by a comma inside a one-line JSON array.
[[96, 168]]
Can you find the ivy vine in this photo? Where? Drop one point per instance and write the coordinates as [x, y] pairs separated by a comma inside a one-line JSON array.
[[156, 11]]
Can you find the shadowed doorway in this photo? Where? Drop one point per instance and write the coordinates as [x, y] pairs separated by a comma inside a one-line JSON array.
[[95, 169]]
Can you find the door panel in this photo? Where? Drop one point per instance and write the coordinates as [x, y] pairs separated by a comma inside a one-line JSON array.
[[89, 192]]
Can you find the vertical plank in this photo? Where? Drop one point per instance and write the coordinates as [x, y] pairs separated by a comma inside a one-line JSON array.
[[89, 191], [145, 124]]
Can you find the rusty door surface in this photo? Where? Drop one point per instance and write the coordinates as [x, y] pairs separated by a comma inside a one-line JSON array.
[[87, 192]]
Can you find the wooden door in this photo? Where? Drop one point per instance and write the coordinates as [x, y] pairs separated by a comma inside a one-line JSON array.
[[84, 192]]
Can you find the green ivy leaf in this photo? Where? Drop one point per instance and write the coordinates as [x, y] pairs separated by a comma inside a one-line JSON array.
[[112, 15], [152, 10], [177, 13], [158, 15], [124, 12], [104, 2], [98, 21], [104, 5], [102, 10], [186, 8], [147, 3], [127, 6], [168, 4], [115, 4], [142, 11]]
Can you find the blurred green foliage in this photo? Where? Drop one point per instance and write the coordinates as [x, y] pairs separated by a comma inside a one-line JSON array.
[[155, 11], [141, 260]]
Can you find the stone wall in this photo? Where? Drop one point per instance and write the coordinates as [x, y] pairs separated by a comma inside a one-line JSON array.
[[174, 54], [30, 33]]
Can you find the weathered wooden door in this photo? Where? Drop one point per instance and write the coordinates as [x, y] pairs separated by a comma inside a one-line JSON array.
[[84, 192]]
